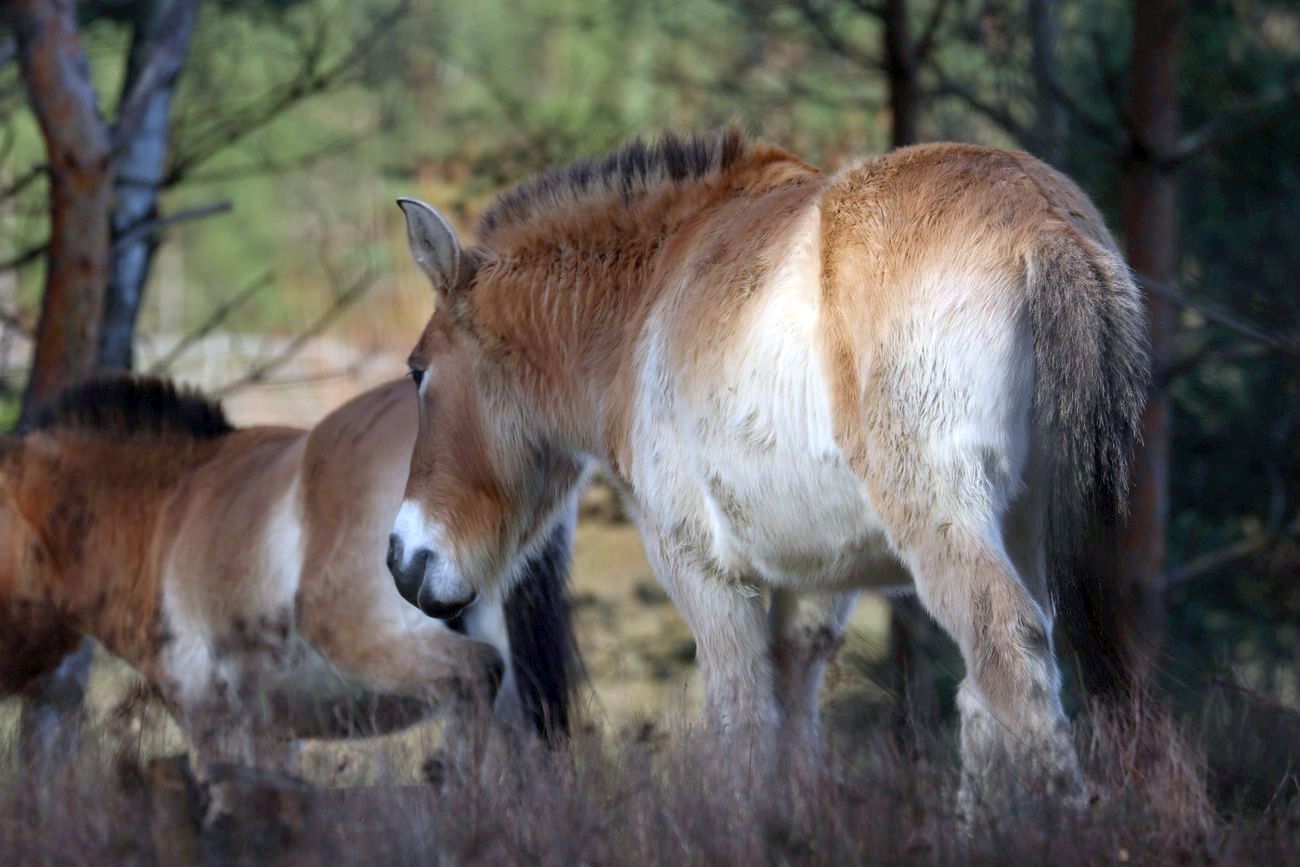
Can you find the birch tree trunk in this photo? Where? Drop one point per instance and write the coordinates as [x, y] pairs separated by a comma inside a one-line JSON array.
[[140, 170]]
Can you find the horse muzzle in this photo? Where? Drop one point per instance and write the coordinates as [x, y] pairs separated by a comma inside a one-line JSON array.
[[416, 579]]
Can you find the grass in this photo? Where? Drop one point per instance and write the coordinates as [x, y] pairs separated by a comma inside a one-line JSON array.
[[655, 796], [639, 785]]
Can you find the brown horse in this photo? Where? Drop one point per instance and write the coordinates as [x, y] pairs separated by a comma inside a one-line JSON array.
[[926, 368], [242, 572]]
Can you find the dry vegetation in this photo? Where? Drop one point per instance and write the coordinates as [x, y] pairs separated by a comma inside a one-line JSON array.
[[1210, 790], [654, 797]]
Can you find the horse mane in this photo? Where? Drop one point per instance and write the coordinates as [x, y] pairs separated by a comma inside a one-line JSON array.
[[128, 406], [628, 172]]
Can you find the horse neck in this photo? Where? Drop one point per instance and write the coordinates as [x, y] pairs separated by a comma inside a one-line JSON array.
[[573, 293]]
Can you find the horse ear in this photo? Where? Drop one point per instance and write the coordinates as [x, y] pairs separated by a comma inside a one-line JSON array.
[[433, 244]]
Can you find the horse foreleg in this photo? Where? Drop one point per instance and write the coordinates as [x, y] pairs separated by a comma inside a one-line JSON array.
[[732, 640], [807, 630]]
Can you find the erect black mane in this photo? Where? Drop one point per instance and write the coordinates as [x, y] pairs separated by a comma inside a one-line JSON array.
[[126, 406], [629, 171]]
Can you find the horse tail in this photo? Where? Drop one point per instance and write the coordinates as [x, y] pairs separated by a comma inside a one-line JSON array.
[[539, 622], [1091, 383]]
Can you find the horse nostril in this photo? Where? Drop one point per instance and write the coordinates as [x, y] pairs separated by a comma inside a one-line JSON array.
[[394, 554], [409, 577]]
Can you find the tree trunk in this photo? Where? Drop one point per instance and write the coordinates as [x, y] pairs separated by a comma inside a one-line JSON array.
[[1150, 232], [915, 686], [140, 168], [900, 69], [1044, 31], [79, 152]]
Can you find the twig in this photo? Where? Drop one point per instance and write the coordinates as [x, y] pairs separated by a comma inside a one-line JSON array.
[[132, 233], [207, 326], [833, 40], [1234, 123], [309, 81], [925, 45], [298, 162], [14, 322], [1282, 342], [26, 257], [346, 371], [1212, 561], [258, 373], [24, 180], [1000, 115], [146, 228]]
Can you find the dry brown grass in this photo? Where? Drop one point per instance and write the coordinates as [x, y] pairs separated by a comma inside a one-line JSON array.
[[1213, 788], [652, 796]]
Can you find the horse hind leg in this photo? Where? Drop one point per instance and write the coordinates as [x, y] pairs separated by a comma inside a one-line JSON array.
[[951, 452], [1014, 734], [807, 630]]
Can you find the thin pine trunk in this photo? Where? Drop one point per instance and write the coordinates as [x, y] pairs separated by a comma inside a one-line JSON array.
[[1151, 236], [79, 151]]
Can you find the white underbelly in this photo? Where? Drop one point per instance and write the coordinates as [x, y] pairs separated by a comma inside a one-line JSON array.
[[796, 521]]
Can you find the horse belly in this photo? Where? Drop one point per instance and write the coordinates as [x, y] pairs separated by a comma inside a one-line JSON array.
[[798, 521]]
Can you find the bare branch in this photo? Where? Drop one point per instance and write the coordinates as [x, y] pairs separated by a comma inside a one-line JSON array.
[[26, 257], [261, 371], [1235, 122], [343, 372], [310, 81], [24, 180], [1283, 342], [133, 233], [222, 312], [269, 166], [1213, 561], [998, 114], [930, 31], [160, 70], [833, 40], [147, 228], [1108, 134], [867, 7]]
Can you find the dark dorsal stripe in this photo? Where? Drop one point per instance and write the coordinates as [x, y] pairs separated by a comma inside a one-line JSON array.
[[126, 406], [630, 171]]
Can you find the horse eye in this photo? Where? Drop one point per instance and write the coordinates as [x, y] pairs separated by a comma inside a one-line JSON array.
[[417, 376]]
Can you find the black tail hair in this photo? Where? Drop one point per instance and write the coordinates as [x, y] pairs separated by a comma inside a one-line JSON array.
[[539, 623], [1091, 384]]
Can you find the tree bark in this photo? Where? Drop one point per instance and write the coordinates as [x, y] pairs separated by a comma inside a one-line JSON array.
[[1150, 231], [79, 154], [79, 150], [141, 167], [900, 69]]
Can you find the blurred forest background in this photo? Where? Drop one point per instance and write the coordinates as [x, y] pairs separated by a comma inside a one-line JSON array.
[[206, 189]]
